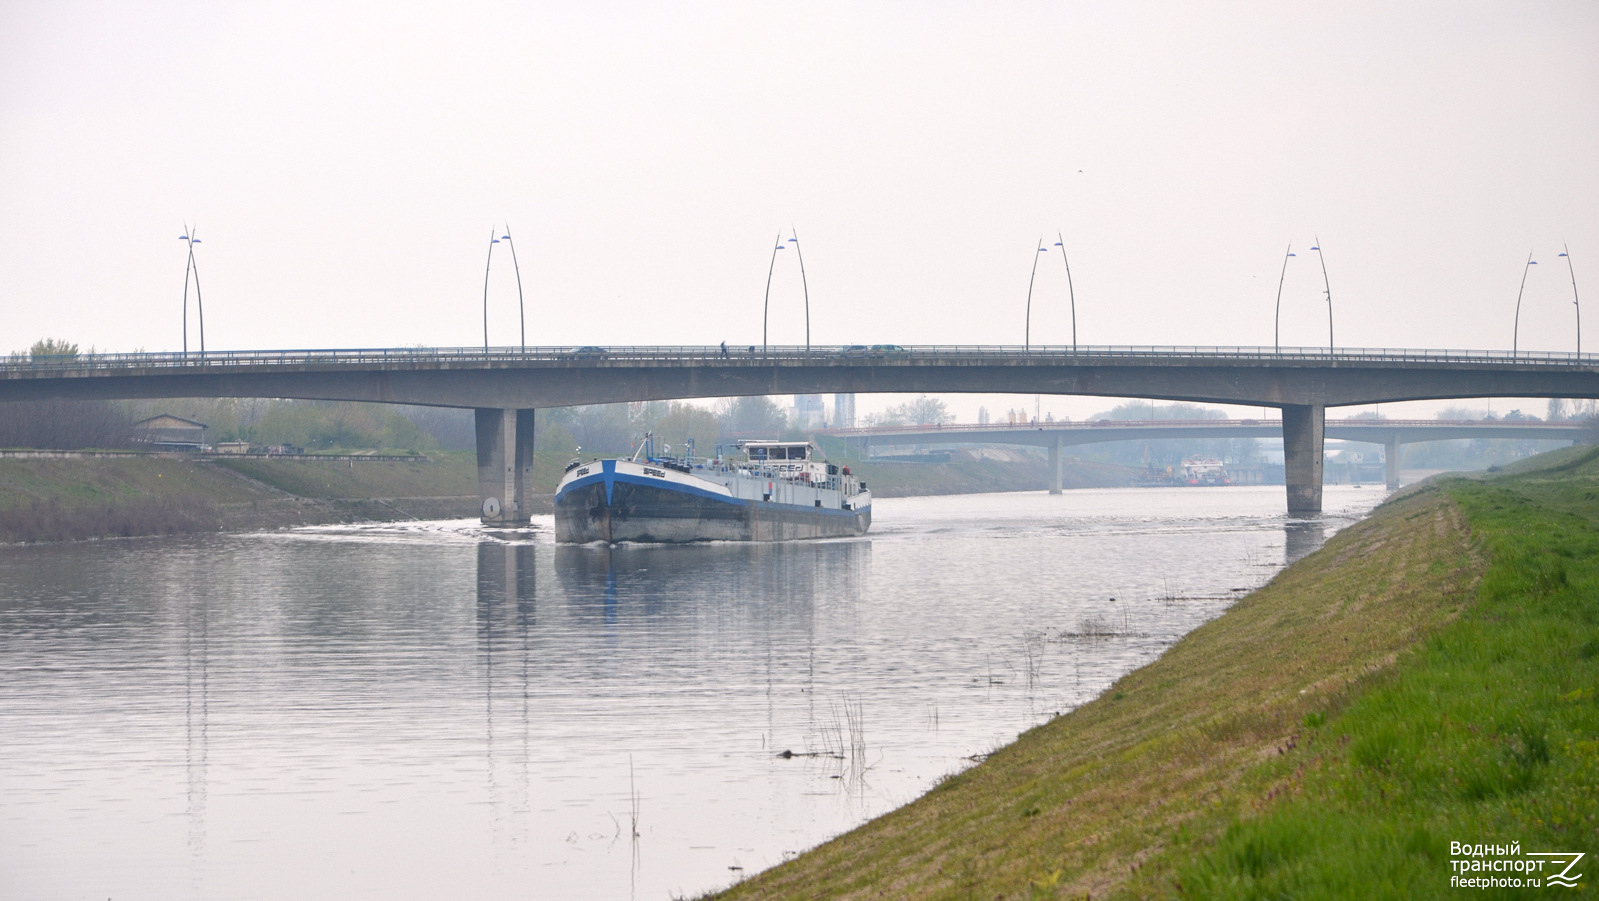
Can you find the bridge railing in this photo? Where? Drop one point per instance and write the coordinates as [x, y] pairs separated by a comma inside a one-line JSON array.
[[953, 428], [15, 364]]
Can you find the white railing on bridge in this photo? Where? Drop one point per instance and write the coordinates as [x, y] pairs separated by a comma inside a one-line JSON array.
[[17, 364]]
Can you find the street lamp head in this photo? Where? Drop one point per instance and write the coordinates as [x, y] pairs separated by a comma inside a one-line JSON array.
[[1293, 254], [1565, 254], [1315, 248], [1057, 244]]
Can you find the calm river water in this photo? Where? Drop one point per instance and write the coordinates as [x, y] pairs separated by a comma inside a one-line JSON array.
[[428, 710]]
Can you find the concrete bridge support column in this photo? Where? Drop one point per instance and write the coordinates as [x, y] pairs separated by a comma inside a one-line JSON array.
[[1390, 461], [1304, 426], [505, 465], [1056, 461]]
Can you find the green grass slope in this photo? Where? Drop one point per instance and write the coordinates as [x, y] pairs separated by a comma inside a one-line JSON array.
[[443, 475], [1429, 676], [1490, 734], [43, 499], [73, 498]]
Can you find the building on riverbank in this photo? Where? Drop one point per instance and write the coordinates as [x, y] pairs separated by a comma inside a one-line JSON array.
[[171, 433]]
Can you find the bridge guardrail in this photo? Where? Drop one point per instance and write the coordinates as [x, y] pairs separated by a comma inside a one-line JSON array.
[[954, 428], [17, 364]]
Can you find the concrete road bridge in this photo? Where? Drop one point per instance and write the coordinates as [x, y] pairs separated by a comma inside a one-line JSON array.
[[502, 384], [1392, 434]]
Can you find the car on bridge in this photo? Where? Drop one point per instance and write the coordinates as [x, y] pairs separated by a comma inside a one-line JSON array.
[[874, 350], [586, 352]]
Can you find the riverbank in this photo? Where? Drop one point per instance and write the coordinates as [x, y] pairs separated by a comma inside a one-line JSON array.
[[975, 471], [1427, 677], [998, 471], [71, 496]]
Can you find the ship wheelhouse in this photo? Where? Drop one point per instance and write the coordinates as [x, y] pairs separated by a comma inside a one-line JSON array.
[[787, 459]]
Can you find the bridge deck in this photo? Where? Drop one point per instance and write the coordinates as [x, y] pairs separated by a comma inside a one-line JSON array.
[[498, 383], [432, 357], [545, 376]]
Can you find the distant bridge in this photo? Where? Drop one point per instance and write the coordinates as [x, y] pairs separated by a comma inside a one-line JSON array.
[[1390, 433], [498, 383]]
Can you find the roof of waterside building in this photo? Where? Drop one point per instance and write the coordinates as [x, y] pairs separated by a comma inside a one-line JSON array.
[[168, 421]]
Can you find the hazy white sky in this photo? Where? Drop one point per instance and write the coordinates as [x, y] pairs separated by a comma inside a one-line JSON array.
[[346, 164]]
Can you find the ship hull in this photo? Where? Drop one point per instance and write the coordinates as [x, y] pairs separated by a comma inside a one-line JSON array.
[[619, 509]]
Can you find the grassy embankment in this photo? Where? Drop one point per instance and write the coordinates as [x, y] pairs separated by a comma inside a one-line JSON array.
[[70, 498], [1429, 676]]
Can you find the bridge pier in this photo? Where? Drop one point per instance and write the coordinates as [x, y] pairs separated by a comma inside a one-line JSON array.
[[1390, 461], [1304, 427], [1056, 461], [505, 465]]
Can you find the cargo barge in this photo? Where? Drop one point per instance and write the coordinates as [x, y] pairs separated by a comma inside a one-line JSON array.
[[762, 491]]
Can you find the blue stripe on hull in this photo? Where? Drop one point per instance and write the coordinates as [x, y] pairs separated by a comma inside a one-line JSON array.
[[610, 478]]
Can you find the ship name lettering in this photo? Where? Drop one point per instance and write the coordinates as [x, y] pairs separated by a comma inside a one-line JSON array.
[[654, 472]]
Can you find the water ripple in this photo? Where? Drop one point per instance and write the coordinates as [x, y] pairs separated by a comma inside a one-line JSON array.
[[430, 708]]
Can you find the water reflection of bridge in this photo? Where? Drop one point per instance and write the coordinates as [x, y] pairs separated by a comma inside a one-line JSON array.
[[1391, 434], [640, 612]]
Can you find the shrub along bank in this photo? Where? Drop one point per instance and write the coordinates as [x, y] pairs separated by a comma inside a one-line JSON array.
[[1428, 678]]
